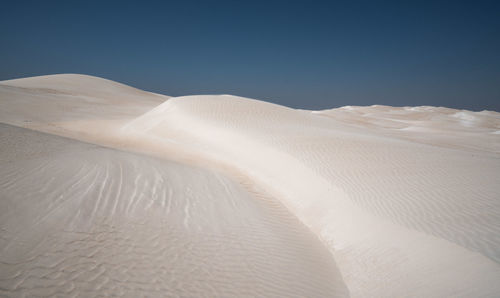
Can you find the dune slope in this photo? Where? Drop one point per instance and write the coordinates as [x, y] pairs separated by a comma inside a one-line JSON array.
[[78, 106], [383, 205], [78, 219]]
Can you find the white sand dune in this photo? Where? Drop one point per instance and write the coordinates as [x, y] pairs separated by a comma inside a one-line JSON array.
[[382, 205], [406, 200], [428, 125], [73, 105], [81, 219]]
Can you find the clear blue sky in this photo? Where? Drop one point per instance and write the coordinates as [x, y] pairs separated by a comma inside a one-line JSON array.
[[302, 54]]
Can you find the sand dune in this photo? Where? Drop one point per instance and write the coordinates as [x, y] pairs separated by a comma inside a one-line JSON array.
[[474, 131], [73, 105], [81, 219], [405, 201], [380, 204]]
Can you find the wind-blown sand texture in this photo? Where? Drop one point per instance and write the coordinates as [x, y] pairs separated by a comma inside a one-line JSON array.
[[218, 195]]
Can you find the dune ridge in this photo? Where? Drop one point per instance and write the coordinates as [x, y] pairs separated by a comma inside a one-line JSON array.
[[406, 200], [310, 167]]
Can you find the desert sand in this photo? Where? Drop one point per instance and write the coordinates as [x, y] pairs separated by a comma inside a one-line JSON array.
[[109, 190]]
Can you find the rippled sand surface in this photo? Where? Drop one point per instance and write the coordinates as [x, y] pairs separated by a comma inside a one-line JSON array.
[[79, 219]]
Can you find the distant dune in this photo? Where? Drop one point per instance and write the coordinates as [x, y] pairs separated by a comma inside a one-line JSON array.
[[107, 189]]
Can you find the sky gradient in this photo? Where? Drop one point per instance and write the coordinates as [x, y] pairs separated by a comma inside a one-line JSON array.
[[302, 54]]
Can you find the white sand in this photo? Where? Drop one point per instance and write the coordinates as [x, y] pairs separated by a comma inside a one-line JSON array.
[[406, 200], [81, 219], [45, 103]]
